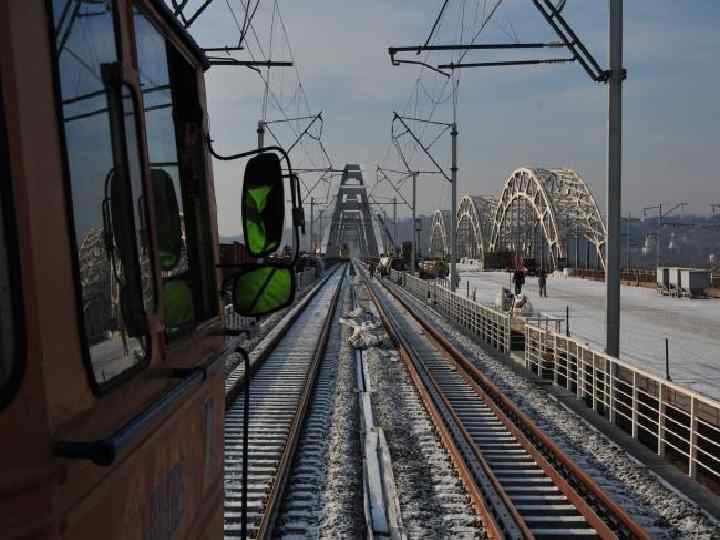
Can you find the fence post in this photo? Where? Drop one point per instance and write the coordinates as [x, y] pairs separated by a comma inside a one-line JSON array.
[[555, 359], [692, 454], [568, 382], [611, 392], [634, 411], [594, 382], [541, 356], [661, 422], [581, 373], [528, 346], [508, 334]]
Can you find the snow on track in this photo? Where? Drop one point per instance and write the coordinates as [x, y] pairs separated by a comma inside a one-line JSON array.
[[324, 494], [433, 501]]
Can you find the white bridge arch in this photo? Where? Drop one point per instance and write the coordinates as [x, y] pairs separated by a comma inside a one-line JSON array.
[[474, 221], [537, 213], [438, 234]]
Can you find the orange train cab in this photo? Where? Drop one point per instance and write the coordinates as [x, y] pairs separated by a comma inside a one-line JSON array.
[[111, 384]]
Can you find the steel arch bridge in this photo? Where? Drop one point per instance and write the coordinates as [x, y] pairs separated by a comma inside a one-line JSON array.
[[438, 234], [535, 215], [474, 223]]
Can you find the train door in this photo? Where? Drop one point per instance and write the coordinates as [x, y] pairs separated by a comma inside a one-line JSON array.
[[111, 389]]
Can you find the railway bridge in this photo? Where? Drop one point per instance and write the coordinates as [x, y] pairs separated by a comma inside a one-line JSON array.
[[540, 213]]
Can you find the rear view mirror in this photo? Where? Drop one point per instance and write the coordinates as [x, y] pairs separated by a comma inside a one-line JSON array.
[[263, 205], [178, 302], [259, 290], [167, 217]]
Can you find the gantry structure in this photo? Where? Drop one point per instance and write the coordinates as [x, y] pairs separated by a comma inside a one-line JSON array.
[[536, 215], [352, 230]]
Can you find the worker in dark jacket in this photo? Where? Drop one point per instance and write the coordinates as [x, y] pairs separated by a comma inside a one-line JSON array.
[[542, 282], [519, 280]]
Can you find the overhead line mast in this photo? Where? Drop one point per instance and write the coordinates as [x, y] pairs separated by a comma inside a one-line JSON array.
[[614, 76]]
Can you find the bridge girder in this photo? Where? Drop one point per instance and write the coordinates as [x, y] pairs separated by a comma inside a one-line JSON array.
[[352, 220], [438, 234], [474, 221]]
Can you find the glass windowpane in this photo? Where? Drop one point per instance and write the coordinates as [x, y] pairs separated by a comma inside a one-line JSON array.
[[83, 44]]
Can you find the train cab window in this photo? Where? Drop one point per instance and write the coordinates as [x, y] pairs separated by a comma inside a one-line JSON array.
[[111, 250], [175, 149], [10, 303]]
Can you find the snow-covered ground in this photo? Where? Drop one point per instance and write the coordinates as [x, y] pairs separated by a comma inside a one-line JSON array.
[[646, 318]]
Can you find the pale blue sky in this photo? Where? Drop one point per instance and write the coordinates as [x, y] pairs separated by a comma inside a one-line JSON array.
[[540, 116]]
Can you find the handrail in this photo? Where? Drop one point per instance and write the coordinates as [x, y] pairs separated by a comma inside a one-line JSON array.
[[103, 452]]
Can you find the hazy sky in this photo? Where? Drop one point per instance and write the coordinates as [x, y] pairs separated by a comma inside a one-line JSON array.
[[550, 116]]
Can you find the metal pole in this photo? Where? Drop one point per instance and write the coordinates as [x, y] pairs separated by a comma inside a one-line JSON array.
[[657, 235], [453, 181], [414, 224], [453, 208], [612, 279], [320, 229], [312, 216], [245, 442], [627, 243], [567, 321], [397, 240], [261, 133]]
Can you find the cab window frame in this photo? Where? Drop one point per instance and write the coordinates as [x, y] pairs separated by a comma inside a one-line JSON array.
[[194, 204], [9, 223], [102, 388]]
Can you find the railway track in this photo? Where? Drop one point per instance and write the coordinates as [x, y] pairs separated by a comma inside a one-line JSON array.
[[522, 484], [282, 381]]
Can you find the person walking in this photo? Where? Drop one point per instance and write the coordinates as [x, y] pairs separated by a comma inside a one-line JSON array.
[[542, 282], [519, 280]]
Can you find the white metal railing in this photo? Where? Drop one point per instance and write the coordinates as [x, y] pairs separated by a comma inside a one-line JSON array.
[[662, 415], [488, 324]]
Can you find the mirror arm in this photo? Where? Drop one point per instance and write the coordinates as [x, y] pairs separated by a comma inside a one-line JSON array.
[[298, 215], [249, 153]]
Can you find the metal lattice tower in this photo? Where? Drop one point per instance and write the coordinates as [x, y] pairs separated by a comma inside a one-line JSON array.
[[352, 223]]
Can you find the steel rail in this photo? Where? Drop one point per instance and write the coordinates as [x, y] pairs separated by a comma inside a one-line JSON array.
[[477, 497], [563, 471], [278, 486], [236, 385], [274, 490]]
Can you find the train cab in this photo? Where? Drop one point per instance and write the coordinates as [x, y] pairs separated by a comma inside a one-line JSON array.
[[111, 384]]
